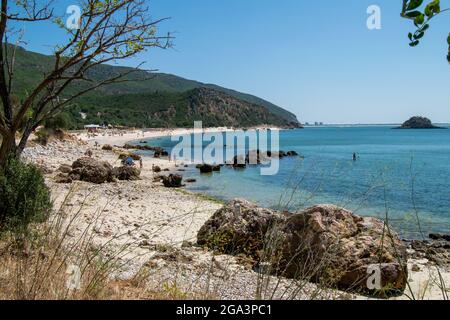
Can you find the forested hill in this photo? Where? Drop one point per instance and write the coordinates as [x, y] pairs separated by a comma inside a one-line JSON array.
[[153, 100]]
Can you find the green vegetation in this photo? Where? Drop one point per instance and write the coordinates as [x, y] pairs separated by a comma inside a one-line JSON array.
[[144, 99], [422, 18], [24, 197]]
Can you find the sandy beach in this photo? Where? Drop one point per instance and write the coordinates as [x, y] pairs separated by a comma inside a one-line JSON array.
[[155, 228]]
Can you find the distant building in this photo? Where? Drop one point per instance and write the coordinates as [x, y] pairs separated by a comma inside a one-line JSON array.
[[92, 127]]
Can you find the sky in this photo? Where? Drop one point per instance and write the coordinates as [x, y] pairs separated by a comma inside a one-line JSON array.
[[317, 59]]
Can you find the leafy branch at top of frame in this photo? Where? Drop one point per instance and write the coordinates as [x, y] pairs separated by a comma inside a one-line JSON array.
[[411, 9]]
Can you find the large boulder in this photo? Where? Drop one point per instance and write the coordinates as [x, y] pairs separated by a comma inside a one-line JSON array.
[[126, 173], [325, 244], [341, 249], [239, 227], [172, 181], [91, 170]]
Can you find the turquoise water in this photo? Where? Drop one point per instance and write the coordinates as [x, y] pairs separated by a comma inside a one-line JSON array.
[[401, 174]]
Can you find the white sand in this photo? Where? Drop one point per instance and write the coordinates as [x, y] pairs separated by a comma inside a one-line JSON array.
[[142, 215]]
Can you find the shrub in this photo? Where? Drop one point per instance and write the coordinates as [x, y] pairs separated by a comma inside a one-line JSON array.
[[59, 121], [24, 197], [42, 137]]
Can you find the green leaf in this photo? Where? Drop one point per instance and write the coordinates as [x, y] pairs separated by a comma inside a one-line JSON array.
[[414, 4], [448, 39], [419, 35], [410, 36], [419, 19], [413, 14]]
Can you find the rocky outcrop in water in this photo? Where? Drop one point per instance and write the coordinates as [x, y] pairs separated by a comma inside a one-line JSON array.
[[325, 244], [418, 123]]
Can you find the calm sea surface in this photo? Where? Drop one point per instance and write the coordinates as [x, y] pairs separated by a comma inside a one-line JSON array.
[[401, 174]]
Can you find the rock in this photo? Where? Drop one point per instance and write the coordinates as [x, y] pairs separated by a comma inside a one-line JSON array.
[[88, 153], [325, 244], [415, 268], [44, 168], [340, 248], [107, 147], [191, 180], [439, 236], [418, 123], [239, 162], [63, 178], [65, 168], [91, 170], [292, 154], [156, 169], [126, 173], [172, 181], [435, 251], [238, 228], [205, 168]]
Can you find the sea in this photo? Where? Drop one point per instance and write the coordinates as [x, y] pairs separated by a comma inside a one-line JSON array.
[[402, 176]]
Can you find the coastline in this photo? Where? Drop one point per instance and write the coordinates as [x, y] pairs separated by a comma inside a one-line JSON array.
[[152, 217]]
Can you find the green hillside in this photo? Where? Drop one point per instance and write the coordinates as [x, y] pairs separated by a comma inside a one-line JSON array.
[[145, 95]]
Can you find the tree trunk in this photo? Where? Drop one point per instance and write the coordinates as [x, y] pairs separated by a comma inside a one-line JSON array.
[[24, 139], [7, 149]]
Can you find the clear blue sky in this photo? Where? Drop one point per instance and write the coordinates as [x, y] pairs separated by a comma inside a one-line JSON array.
[[314, 58]]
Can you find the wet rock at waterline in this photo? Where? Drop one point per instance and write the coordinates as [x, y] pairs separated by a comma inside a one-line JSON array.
[[208, 168], [172, 181]]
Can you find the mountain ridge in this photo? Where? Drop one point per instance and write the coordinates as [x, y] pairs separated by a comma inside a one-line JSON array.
[[30, 66]]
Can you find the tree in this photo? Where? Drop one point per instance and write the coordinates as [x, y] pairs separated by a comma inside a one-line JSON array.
[[107, 31], [411, 10]]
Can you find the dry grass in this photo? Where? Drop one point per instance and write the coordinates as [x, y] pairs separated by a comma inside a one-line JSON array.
[[43, 264]]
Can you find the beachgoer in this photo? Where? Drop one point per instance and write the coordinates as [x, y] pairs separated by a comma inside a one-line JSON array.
[[355, 157]]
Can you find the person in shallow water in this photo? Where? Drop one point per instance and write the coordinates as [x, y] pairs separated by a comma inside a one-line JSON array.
[[355, 157]]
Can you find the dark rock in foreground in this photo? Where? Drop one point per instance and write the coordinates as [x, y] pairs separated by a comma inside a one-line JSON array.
[[325, 244], [436, 250], [172, 181], [418, 123], [439, 236]]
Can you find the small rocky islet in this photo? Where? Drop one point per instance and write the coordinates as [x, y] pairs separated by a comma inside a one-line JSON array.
[[418, 123]]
